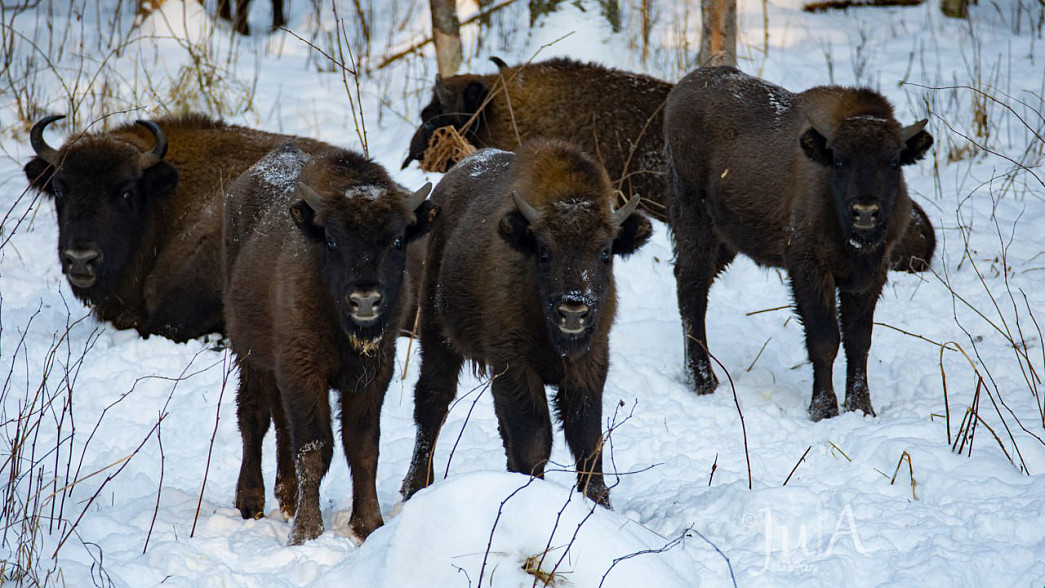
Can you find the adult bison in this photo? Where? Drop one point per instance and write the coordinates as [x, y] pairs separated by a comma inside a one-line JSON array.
[[139, 216], [810, 182], [519, 280], [616, 115], [239, 22], [315, 254]]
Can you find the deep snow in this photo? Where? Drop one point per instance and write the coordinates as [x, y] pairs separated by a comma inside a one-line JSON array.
[[140, 414]]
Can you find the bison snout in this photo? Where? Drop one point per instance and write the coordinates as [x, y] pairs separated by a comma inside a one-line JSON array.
[[573, 317], [365, 304], [865, 216], [80, 265]]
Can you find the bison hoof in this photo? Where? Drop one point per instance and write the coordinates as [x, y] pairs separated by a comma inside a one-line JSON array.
[[863, 404], [411, 484], [287, 496], [703, 380], [251, 503], [305, 529], [599, 494], [823, 407], [363, 526]]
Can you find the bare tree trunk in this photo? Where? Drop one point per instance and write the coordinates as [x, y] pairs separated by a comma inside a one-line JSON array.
[[446, 33], [955, 8], [718, 36]]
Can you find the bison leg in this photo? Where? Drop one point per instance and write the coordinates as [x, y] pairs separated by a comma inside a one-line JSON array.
[[252, 411], [525, 421], [308, 413], [286, 478], [360, 434], [225, 9], [278, 19], [581, 412], [857, 321], [435, 389], [240, 24], [815, 299]]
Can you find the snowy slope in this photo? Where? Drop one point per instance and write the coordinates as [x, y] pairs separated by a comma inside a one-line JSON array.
[[146, 428]]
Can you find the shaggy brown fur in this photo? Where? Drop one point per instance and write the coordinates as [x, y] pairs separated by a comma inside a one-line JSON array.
[[613, 114], [829, 206], [142, 245], [314, 286], [533, 300]]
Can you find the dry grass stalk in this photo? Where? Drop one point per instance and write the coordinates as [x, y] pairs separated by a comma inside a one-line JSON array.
[[445, 148]]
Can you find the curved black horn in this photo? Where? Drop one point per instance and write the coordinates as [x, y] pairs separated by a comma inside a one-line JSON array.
[[419, 196], [501, 65], [151, 158], [912, 130], [36, 139], [621, 214], [312, 198], [529, 213]]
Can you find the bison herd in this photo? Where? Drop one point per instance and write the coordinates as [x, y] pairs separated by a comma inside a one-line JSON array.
[[312, 260]]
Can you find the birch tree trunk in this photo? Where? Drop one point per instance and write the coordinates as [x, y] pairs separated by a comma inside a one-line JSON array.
[[446, 33], [718, 35]]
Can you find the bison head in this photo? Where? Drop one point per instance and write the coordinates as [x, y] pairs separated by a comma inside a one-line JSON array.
[[103, 188], [363, 224], [454, 101], [571, 242], [864, 154]]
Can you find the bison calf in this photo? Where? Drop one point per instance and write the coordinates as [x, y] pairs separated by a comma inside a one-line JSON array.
[[810, 182], [139, 216], [315, 254], [519, 280]]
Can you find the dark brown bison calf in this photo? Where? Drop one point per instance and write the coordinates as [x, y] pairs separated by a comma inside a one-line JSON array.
[[616, 115], [315, 254], [139, 216], [519, 280], [810, 182]]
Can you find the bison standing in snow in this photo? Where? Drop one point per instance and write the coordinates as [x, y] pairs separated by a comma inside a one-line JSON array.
[[519, 280], [139, 216], [810, 182], [315, 255]]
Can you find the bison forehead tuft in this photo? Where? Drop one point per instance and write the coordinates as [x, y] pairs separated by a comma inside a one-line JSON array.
[[365, 192]]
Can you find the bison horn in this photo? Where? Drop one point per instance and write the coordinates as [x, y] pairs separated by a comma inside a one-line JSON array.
[[159, 151], [419, 196], [621, 214], [529, 213], [442, 93], [909, 131], [312, 198], [501, 65], [36, 139]]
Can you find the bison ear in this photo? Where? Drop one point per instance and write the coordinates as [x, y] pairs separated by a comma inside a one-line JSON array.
[[161, 178], [815, 147], [472, 97], [305, 218], [515, 230], [40, 173], [426, 215], [916, 147], [635, 231]]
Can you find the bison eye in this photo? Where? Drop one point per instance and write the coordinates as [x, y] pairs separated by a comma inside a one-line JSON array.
[[57, 193], [331, 245], [839, 163], [398, 244], [127, 195], [894, 164], [543, 256], [605, 255]]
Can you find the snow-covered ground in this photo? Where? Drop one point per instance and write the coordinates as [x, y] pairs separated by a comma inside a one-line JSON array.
[[120, 455]]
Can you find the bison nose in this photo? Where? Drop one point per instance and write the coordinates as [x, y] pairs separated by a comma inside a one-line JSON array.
[[865, 216], [366, 304], [80, 265], [572, 316]]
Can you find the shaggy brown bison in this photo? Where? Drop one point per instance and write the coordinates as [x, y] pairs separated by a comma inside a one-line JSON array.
[[616, 115], [810, 182], [613, 114], [315, 253], [139, 217], [519, 280]]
